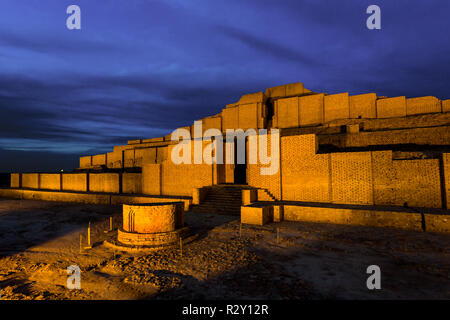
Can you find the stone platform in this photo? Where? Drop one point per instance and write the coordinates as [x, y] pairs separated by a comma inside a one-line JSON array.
[[151, 226]]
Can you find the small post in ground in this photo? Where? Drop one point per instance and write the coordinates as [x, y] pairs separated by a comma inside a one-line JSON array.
[[181, 247], [89, 246]]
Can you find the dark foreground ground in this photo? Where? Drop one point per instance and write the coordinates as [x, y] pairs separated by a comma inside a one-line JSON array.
[[39, 240]]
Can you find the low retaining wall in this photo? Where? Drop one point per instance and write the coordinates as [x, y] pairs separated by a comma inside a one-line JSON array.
[[88, 198], [418, 221]]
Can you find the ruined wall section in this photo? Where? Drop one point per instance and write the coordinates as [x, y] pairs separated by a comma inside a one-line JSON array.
[[351, 176], [305, 175], [446, 168], [414, 182], [271, 182]]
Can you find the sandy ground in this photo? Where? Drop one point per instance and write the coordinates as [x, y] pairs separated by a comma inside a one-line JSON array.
[[39, 240]]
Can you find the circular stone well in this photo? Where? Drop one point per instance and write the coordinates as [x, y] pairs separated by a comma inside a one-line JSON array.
[[153, 217], [151, 225]]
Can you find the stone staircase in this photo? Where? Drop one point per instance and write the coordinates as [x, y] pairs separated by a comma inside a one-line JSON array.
[[222, 199]]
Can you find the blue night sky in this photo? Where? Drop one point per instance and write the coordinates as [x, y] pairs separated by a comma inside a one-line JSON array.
[[140, 68]]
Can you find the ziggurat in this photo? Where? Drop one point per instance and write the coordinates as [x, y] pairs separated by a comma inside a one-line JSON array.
[[360, 159]]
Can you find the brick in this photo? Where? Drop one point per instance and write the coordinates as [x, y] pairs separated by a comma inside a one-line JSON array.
[[256, 215], [336, 107], [248, 116], [361, 217], [363, 106], [86, 162], [445, 105], [99, 160], [287, 112], [422, 105], [30, 180], [151, 179], [16, 180], [311, 110], [50, 181], [351, 176], [391, 107], [104, 182], [230, 118], [132, 183], [74, 182], [305, 175]]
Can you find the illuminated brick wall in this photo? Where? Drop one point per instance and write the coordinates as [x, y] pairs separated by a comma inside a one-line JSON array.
[[50, 181], [416, 182], [99, 160], [74, 182], [151, 179], [86, 162], [132, 183], [30, 180], [363, 106], [287, 112], [271, 183], [114, 159], [446, 162], [422, 105], [391, 107], [181, 179], [336, 106], [104, 182], [311, 110], [351, 176], [144, 156], [305, 175], [16, 180]]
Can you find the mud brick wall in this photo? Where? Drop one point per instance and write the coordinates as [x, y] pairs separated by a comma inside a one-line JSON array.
[[311, 110], [181, 179], [86, 162], [419, 136], [336, 106], [151, 179], [445, 105], [248, 116], [128, 158], [363, 106], [230, 118], [16, 180], [287, 112], [132, 183], [134, 141], [99, 160], [270, 182], [144, 156], [212, 123], [305, 175], [391, 107], [75, 182], [104, 182], [446, 167], [416, 182], [30, 180], [291, 89], [50, 181], [114, 159], [422, 105], [351, 176], [161, 154]]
